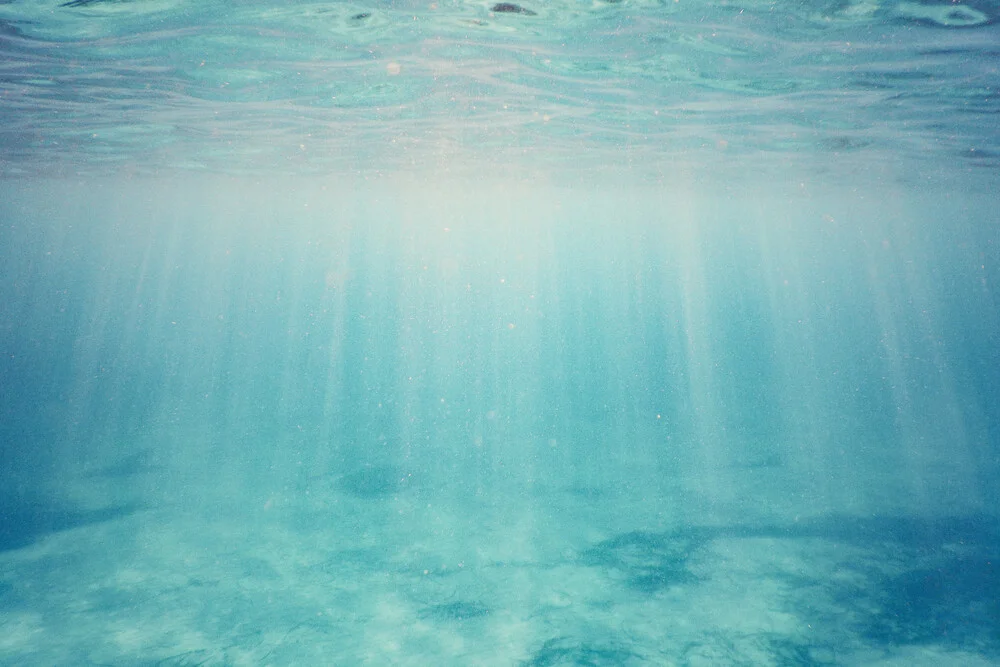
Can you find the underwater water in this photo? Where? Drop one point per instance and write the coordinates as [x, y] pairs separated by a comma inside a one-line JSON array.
[[541, 334]]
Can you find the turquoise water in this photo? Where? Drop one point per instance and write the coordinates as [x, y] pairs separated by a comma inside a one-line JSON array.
[[568, 333]]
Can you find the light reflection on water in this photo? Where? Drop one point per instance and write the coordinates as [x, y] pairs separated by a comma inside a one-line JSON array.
[[98, 86]]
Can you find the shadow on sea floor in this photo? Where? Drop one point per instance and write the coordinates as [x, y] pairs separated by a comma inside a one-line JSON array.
[[26, 521], [920, 582]]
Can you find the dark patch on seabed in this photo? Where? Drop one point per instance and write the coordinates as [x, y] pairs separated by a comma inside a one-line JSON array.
[[511, 8], [953, 600], [926, 582], [139, 463], [8, 28], [24, 521], [647, 562], [567, 652], [373, 482], [461, 610], [916, 582]]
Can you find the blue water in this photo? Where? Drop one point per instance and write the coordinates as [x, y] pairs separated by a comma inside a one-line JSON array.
[[539, 334]]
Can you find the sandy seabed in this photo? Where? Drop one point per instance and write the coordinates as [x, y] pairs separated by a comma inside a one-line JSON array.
[[367, 572]]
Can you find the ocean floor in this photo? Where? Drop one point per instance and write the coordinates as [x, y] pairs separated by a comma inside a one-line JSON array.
[[371, 568]]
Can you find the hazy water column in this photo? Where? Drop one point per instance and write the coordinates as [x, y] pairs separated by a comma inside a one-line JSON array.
[[250, 334]]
